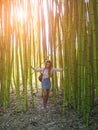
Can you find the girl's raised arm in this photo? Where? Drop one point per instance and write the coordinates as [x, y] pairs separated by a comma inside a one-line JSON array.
[[37, 69], [57, 69]]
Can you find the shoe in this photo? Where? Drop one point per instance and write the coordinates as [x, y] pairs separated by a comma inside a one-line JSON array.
[[47, 107], [44, 107]]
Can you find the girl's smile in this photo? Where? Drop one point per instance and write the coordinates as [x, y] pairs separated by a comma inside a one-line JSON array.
[[48, 65]]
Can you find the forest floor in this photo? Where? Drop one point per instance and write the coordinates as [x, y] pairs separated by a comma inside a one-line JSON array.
[[50, 119]]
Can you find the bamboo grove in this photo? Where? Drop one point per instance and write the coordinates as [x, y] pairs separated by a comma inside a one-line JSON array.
[[64, 31]]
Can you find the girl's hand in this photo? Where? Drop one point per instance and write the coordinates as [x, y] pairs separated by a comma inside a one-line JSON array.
[[33, 68]]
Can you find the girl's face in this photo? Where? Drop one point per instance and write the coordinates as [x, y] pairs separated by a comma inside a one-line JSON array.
[[48, 65]]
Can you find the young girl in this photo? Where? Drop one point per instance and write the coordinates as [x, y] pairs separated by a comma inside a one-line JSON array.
[[46, 84]]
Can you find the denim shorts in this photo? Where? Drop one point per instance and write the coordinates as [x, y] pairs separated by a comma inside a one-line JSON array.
[[46, 84]]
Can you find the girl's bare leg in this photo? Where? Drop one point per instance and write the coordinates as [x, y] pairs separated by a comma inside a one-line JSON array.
[[48, 91], [45, 97]]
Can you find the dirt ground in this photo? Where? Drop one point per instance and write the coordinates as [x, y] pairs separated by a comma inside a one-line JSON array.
[[50, 119]]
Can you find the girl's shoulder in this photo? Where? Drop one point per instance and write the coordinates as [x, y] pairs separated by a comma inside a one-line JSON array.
[[52, 69]]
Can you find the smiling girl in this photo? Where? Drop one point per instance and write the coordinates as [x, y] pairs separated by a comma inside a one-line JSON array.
[[46, 84]]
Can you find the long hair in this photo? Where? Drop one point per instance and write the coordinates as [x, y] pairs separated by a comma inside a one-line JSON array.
[[49, 70]]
